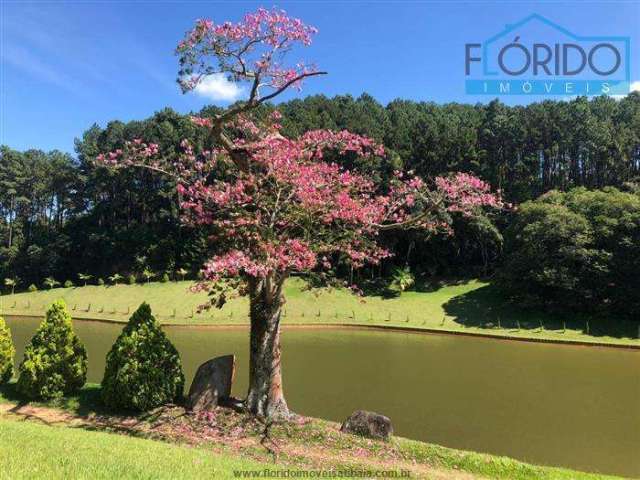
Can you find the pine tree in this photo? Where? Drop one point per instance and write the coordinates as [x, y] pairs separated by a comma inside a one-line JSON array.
[[55, 361]]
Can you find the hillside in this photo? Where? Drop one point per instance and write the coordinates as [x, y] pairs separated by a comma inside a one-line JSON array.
[[469, 306]]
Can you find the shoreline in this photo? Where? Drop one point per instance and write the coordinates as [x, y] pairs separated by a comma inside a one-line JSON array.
[[423, 459], [365, 327]]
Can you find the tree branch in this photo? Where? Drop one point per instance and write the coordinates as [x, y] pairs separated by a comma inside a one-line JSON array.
[[287, 85], [406, 223]]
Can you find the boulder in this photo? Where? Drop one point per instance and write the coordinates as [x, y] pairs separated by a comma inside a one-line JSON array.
[[368, 424], [212, 383]]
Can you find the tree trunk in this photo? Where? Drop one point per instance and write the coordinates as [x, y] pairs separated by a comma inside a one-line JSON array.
[[265, 397], [12, 216]]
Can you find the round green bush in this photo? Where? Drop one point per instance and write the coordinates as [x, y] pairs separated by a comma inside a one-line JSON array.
[[6, 353], [55, 361], [131, 279], [164, 278], [100, 282], [32, 288], [143, 369], [68, 284]]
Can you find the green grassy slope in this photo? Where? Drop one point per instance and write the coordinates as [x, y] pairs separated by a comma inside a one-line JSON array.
[[29, 450], [471, 306]]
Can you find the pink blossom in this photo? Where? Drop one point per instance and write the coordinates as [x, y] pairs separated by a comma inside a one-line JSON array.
[[253, 46]]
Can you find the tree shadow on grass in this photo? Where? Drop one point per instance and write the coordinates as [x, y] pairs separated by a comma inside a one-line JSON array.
[[488, 308], [378, 288], [83, 403], [384, 289], [87, 406], [432, 284], [86, 411]]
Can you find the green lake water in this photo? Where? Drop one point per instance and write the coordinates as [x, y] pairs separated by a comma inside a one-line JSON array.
[[561, 405]]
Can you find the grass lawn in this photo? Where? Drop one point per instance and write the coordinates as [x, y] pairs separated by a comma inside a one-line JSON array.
[[30, 450], [68, 439], [470, 306]]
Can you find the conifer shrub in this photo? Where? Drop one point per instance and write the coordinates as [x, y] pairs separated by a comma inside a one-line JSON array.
[[55, 361], [100, 282], [164, 278], [143, 368], [131, 279], [7, 351], [32, 288]]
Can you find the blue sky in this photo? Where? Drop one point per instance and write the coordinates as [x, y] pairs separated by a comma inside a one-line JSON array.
[[66, 65]]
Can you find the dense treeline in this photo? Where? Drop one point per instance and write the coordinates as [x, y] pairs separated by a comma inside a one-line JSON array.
[[524, 150], [61, 216], [578, 249]]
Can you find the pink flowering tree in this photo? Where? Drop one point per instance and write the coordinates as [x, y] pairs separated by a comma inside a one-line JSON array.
[[276, 205]]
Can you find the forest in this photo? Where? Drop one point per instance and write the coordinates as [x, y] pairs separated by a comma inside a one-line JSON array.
[[63, 216]]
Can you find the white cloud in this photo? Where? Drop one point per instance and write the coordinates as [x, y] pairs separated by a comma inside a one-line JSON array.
[[217, 87], [634, 87]]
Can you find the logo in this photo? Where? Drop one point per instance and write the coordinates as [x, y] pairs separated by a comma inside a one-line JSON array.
[[535, 56]]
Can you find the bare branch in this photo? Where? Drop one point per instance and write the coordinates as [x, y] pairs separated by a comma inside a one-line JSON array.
[[409, 222], [153, 169], [288, 84]]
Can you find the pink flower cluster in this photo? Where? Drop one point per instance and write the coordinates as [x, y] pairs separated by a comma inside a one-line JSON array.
[[316, 141], [272, 27], [466, 193], [293, 207], [290, 255], [201, 122], [247, 50], [133, 151]]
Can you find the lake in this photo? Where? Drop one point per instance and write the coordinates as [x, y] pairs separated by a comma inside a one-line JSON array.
[[562, 405]]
